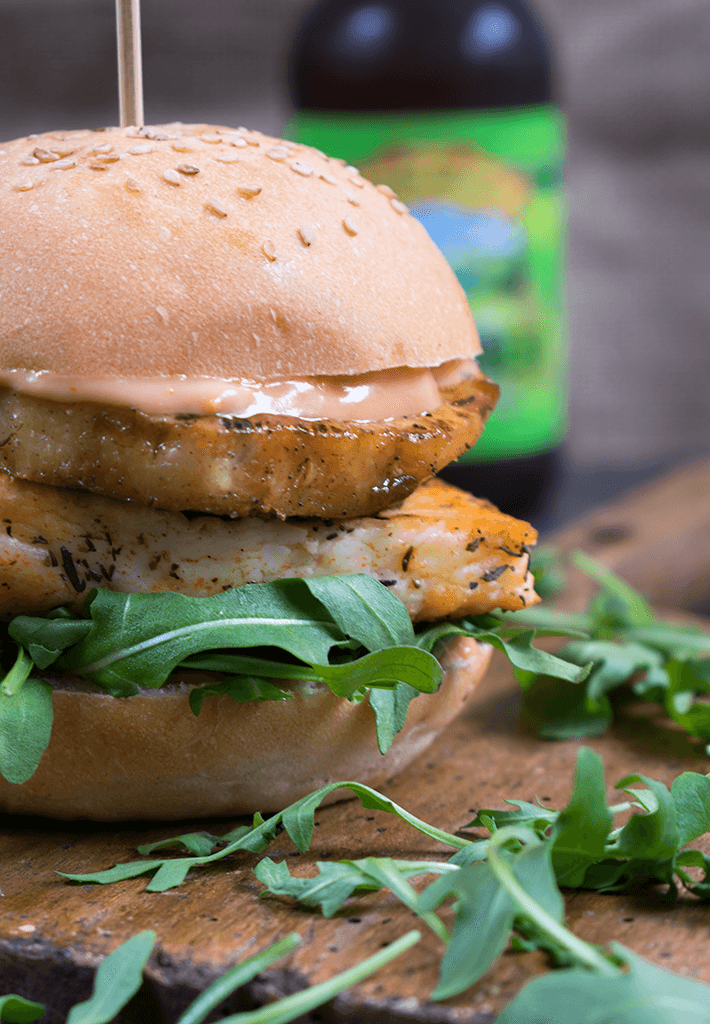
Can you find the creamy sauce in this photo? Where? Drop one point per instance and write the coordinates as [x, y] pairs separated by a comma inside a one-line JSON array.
[[381, 395]]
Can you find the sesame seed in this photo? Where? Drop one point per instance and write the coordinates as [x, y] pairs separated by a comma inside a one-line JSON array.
[[131, 184], [227, 158], [164, 234], [153, 133], [329, 178], [399, 206], [253, 142], [387, 191], [108, 158], [24, 186], [300, 168], [172, 177], [45, 156], [162, 313], [140, 148], [358, 182], [350, 226], [106, 148], [248, 191], [63, 149], [269, 250], [239, 143], [188, 169], [96, 166], [63, 165], [216, 207], [186, 145], [277, 153], [307, 234], [351, 199], [132, 131], [351, 169], [273, 316], [211, 138], [30, 160]]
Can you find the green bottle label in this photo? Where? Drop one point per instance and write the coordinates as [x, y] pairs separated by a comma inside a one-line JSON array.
[[487, 185]]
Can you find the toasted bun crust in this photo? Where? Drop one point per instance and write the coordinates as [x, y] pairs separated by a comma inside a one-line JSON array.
[[117, 258], [150, 757]]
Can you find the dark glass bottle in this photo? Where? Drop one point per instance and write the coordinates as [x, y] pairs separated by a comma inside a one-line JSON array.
[[451, 103]]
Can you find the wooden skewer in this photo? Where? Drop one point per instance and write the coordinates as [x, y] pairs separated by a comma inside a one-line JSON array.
[[130, 67]]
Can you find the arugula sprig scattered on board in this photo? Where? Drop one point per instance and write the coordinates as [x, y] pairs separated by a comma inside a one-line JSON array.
[[577, 847], [505, 887], [627, 646], [298, 820], [119, 977], [586, 850], [346, 632]]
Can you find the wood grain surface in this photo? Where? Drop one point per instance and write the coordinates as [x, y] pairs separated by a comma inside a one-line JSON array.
[[53, 934]]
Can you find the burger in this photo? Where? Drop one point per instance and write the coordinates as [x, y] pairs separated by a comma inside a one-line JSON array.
[[230, 368]]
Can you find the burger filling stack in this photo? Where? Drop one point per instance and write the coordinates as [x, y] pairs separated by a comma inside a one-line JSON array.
[[230, 368]]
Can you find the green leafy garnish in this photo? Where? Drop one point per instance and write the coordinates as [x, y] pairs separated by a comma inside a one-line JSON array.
[[120, 975], [345, 632], [639, 994], [298, 820], [117, 980], [504, 888], [626, 646], [25, 720], [548, 572], [18, 1010]]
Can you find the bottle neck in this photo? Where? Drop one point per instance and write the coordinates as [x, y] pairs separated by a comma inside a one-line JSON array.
[[420, 55]]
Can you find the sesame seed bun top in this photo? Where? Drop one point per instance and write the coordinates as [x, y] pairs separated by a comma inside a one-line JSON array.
[[191, 249]]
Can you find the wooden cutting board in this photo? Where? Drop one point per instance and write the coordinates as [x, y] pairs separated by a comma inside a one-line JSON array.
[[53, 934]]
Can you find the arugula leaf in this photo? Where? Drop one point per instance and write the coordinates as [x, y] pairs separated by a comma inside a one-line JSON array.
[[117, 980], [243, 689], [546, 567], [644, 993], [119, 977], [626, 601], [484, 919], [46, 639], [388, 669], [390, 707], [235, 977], [526, 814], [337, 881], [381, 672], [18, 1010], [25, 721], [628, 646], [514, 642], [654, 835], [582, 828], [301, 1003], [588, 852], [365, 610], [142, 638], [691, 796], [558, 710], [298, 820]]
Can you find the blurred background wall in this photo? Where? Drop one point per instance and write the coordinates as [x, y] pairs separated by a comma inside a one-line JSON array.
[[635, 82]]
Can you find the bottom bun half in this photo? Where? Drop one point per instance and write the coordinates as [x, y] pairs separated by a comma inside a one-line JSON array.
[[149, 757]]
